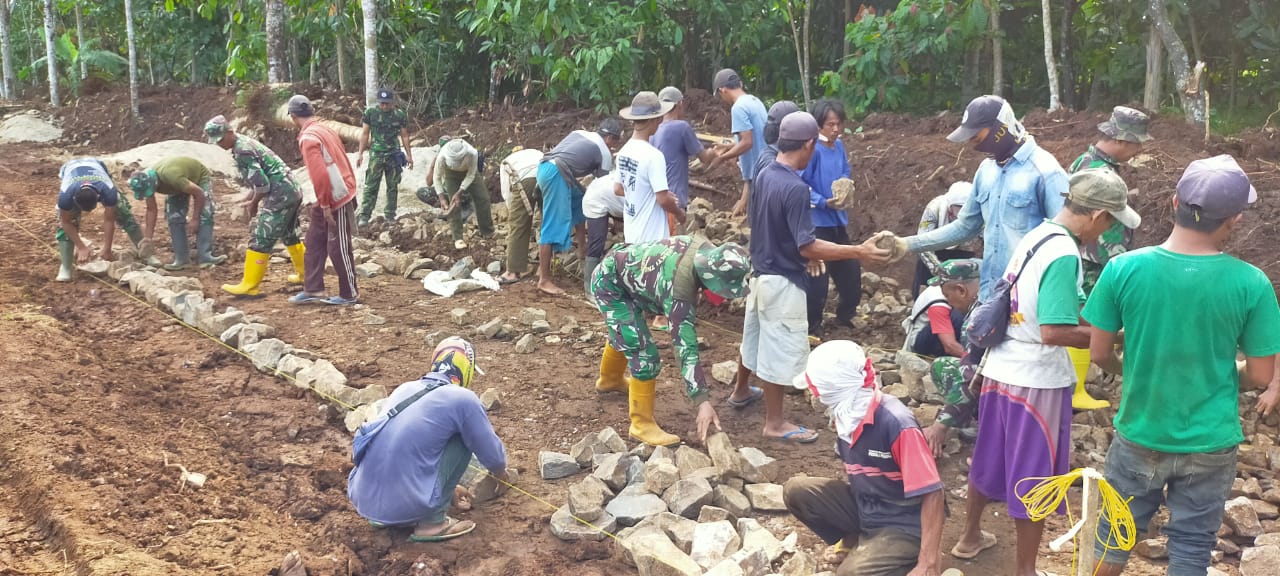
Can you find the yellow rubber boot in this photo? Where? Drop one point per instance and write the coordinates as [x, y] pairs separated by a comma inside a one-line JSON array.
[[613, 369], [643, 426], [296, 252], [1081, 400], [255, 267]]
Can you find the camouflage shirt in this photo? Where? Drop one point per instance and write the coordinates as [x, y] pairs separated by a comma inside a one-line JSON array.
[[1116, 240], [658, 278], [261, 170], [384, 129]]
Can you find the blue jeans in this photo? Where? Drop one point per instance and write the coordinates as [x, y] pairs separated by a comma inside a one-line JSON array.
[[1198, 486], [453, 463]]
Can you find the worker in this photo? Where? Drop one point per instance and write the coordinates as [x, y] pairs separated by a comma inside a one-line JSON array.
[[518, 175], [456, 176], [269, 179], [380, 128], [678, 143], [599, 205], [937, 317], [662, 277], [748, 118], [85, 184], [940, 211], [188, 187]]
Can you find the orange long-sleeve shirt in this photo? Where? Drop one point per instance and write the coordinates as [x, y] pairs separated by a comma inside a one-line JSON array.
[[310, 139]]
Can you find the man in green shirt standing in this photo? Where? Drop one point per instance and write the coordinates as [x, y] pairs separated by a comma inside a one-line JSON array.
[[385, 130], [186, 184], [1187, 308]]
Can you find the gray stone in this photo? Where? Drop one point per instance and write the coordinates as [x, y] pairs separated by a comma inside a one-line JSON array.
[[630, 508], [725, 456], [553, 339], [530, 315], [540, 327], [460, 316], [289, 365], [688, 460], [564, 527], [716, 514], [712, 474], [726, 567], [1242, 518], [323, 377], [610, 439], [660, 475], [368, 269], [687, 497], [419, 266], [1272, 539], [751, 562], [95, 268], [374, 320], [801, 564], [731, 500], [220, 323], [1152, 548], [663, 453], [757, 537], [612, 469], [678, 528], [635, 470], [525, 345], [913, 370], [359, 416], [725, 372], [655, 555], [267, 353], [462, 268], [588, 497], [1249, 488], [1265, 510], [585, 450], [491, 399], [359, 396], [713, 542], [491, 329], [486, 488], [494, 268], [1260, 561], [554, 465], [240, 335], [766, 497], [762, 468]]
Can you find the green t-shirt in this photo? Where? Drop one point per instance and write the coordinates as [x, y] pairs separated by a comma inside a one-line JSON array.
[[174, 173], [1184, 318], [1059, 300]]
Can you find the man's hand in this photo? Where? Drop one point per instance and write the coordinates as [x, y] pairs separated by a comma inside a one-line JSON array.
[[328, 217], [896, 246], [921, 570], [359, 159], [504, 482], [408, 160], [706, 417], [816, 267], [193, 225], [739, 208], [873, 253], [1269, 398], [84, 253], [682, 216], [936, 435]]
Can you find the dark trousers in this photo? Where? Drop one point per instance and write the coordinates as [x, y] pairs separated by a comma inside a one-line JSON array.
[[928, 344], [847, 275], [923, 273], [332, 242], [828, 508]]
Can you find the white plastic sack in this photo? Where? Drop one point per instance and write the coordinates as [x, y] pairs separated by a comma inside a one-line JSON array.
[[437, 282]]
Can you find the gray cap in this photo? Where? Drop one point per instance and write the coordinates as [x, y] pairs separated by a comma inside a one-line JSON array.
[[645, 106], [982, 112], [780, 109], [671, 94], [798, 126], [1102, 189], [1216, 188], [725, 77], [610, 127], [300, 106]]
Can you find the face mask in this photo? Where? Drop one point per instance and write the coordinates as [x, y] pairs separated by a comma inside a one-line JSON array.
[[999, 143], [822, 137], [713, 298]]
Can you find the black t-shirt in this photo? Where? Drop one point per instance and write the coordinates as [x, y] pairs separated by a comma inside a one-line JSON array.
[[780, 223]]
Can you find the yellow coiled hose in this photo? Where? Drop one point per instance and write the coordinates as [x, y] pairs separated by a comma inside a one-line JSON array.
[[1049, 493]]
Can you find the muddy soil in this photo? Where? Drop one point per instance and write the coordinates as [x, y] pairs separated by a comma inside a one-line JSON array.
[[101, 389]]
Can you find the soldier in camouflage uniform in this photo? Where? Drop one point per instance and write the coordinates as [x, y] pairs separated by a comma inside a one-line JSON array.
[[1123, 136], [661, 277], [183, 181], [269, 179], [383, 125]]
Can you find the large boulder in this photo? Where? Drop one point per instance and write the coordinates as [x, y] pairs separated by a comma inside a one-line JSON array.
[[655, 555], [766, 497], [1242, 518]]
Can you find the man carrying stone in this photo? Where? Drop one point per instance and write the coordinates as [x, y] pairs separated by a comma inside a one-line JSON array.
[[663, 277], [85, 184], [939, 212], [382, 126], [188, 187], [518, 177], [1187, 308], [269, 179], [890, 512], [748, 119], [678, 143]]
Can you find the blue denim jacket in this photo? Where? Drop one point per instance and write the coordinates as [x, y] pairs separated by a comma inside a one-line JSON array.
[[1009, 200]]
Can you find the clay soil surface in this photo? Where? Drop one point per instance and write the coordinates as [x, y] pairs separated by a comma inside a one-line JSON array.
[[100, 390]]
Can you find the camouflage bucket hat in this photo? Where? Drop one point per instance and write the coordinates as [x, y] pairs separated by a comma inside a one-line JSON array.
[[724, 269], [1127, 125], [959, 270], [143, 183], [215, 128]]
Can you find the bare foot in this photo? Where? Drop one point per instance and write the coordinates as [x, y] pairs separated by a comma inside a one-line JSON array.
[[462, 499], [292, 565], [549, 287]]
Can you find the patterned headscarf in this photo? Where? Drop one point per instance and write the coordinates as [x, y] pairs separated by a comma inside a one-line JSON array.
[[454, 357], [841, 376]]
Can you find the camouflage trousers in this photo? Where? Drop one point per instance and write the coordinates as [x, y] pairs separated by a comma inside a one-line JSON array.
[[177, 205], [381, 165], [278, 220], [952, 378], [625, 318], [124, 221]]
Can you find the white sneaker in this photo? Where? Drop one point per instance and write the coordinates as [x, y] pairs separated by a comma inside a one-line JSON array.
[[460, 244]]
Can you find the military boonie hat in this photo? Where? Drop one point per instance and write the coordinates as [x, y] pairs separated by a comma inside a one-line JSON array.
[[1127, 125], [958, 270], [724, 269], [1102, 189], [143, 184], [216, 128], [386, 96]]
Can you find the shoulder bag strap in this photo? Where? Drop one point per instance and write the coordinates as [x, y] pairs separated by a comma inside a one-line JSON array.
[[1031, 253]]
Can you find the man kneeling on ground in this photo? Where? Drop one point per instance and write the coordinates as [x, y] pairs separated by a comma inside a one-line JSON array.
[[890, 513], [425, 437]]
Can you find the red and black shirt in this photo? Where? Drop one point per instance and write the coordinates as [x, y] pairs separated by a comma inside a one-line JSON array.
[[890, 467]]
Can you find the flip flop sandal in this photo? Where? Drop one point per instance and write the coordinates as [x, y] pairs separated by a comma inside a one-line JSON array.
[[756, 394], [988, 541], [798, 436], [338, 301], [304, 298], [503, 280], [448, 533]]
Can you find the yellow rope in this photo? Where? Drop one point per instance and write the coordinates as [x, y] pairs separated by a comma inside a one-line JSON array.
[[1050, 493]]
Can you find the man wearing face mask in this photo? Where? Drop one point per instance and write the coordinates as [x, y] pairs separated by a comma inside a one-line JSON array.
[[1014, 190]]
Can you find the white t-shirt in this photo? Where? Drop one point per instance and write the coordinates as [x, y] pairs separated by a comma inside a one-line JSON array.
[[642, 170], [600, 200], [1023, 359], [518, 166], [918, 321]]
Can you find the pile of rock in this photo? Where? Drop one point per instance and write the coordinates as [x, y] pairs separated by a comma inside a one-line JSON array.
[[680, 511], [718, 226]]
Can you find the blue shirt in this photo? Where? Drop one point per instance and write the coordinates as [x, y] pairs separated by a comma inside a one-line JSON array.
[[778, 212], [1007, 202], [397, 482], [678, 143], [826, 166], [748, 114], [80, 171]]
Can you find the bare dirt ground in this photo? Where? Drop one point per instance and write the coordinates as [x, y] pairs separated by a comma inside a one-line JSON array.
[[100, 389]]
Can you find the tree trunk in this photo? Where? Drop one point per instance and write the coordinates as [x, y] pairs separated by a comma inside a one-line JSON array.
[[1066, 58], [341, 46], [1188, 91], [84, 67], [802, 50], [370, 9], [1051, 67], [193, 79], [690, 46], [275, 42], [133, 58], [6, 53], [808, 95], [1155, 70], [50, 57], [844, 36], [997, 49], [972, 72]]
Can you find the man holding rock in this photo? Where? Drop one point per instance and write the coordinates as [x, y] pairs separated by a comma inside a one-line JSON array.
[[269, 179], [410, 460], [85, 184], [457, 177], [1187, 308], [518, 176], [748, 118], [188, 187], [664, 278], [890, 512], [383, 125]]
